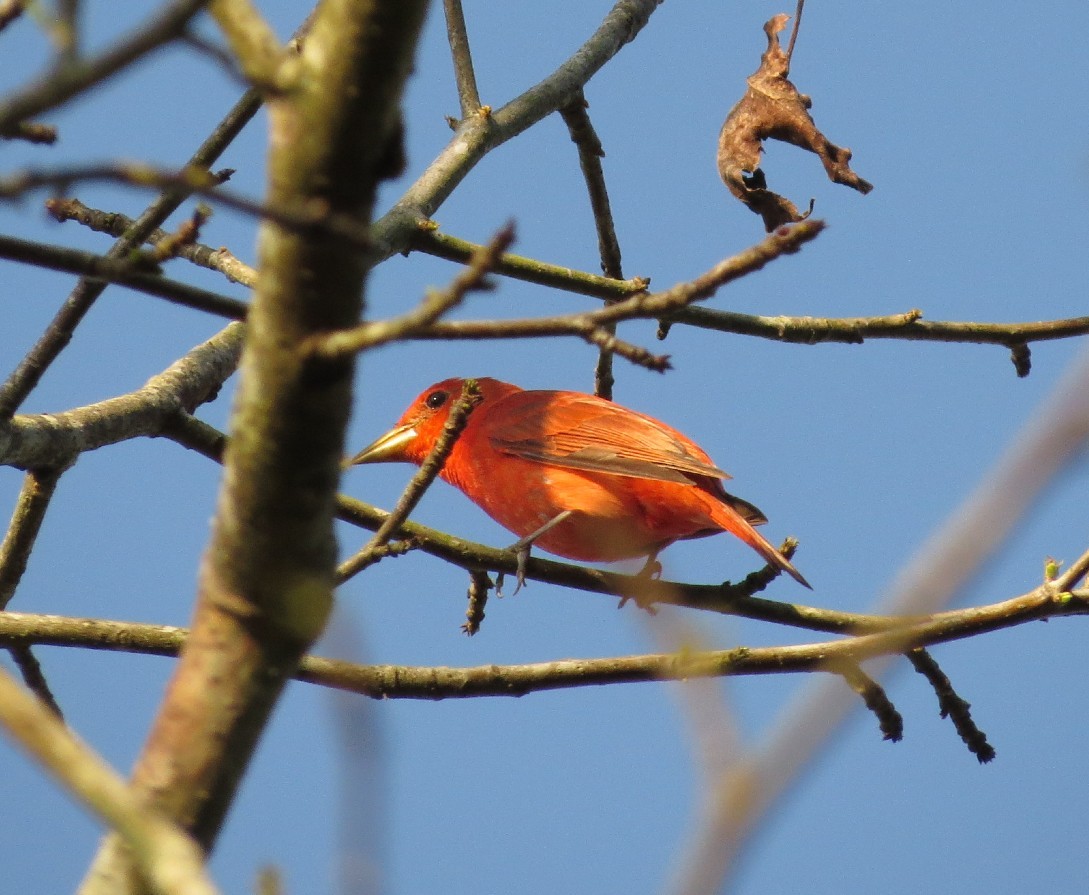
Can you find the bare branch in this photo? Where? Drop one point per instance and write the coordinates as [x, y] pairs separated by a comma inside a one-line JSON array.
[[416, 682], [118, 225], [430, 241], [458, 37], [479, 134], [26, 521], [52, 440], [59, 332], [254, 43], [591, 152], [103, 269]]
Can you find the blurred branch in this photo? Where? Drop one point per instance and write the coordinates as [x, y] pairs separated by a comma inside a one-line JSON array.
[[193, 180], [425, 682], [253, 42], [61, 84], [31, 132], [10, 10], [458, 37], [1048, 442], [169, 859], [266, 582]]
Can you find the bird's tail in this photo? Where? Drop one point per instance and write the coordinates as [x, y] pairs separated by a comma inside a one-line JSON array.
[[726, 515]]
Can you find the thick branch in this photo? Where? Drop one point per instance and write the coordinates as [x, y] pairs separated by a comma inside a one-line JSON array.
[[48, 440], [266, 582]]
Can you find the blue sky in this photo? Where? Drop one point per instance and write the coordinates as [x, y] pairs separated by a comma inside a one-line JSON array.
[[971, 128]]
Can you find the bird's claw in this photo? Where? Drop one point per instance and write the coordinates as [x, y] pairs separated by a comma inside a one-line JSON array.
[[651, 571], [520, 549]]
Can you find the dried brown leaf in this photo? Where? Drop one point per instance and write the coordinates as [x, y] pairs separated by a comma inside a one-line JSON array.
[[772, 108]]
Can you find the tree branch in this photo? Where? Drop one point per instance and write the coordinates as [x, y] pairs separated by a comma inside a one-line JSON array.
[[479, 134], [266, 583], [58, 334], [458, 36], [424, 682]]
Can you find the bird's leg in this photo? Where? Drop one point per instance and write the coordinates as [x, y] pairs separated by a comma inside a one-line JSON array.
[[521, 549], [652, 569]]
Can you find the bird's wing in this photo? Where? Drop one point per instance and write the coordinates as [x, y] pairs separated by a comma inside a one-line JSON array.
[[592, 434]]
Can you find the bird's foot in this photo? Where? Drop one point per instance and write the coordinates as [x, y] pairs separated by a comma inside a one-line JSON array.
[[651, 571], [521, 549]]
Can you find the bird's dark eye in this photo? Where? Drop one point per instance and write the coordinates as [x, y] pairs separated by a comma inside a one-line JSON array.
[[436, 399]]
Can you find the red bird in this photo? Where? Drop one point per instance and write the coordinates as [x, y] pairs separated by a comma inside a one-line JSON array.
[[579, 476]]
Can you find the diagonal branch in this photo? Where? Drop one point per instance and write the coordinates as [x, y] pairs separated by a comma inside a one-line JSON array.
[[170, 860], [479, 134], [422, 479], [582, 132]]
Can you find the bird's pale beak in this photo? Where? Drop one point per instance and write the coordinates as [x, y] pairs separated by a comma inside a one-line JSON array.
[[390, 447]]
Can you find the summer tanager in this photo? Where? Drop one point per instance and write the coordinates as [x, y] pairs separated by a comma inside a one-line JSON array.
[[579, 476]]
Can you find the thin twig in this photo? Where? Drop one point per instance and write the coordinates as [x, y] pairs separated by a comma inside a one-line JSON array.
[[479, 585], [464, 74], [432, 242], [99, 270], [797, 27], [876, 700], [952, 706], [477, 135], [34, 678], [38, 488], [459, 415], [191, 180], [591, 152], [432, 308]]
